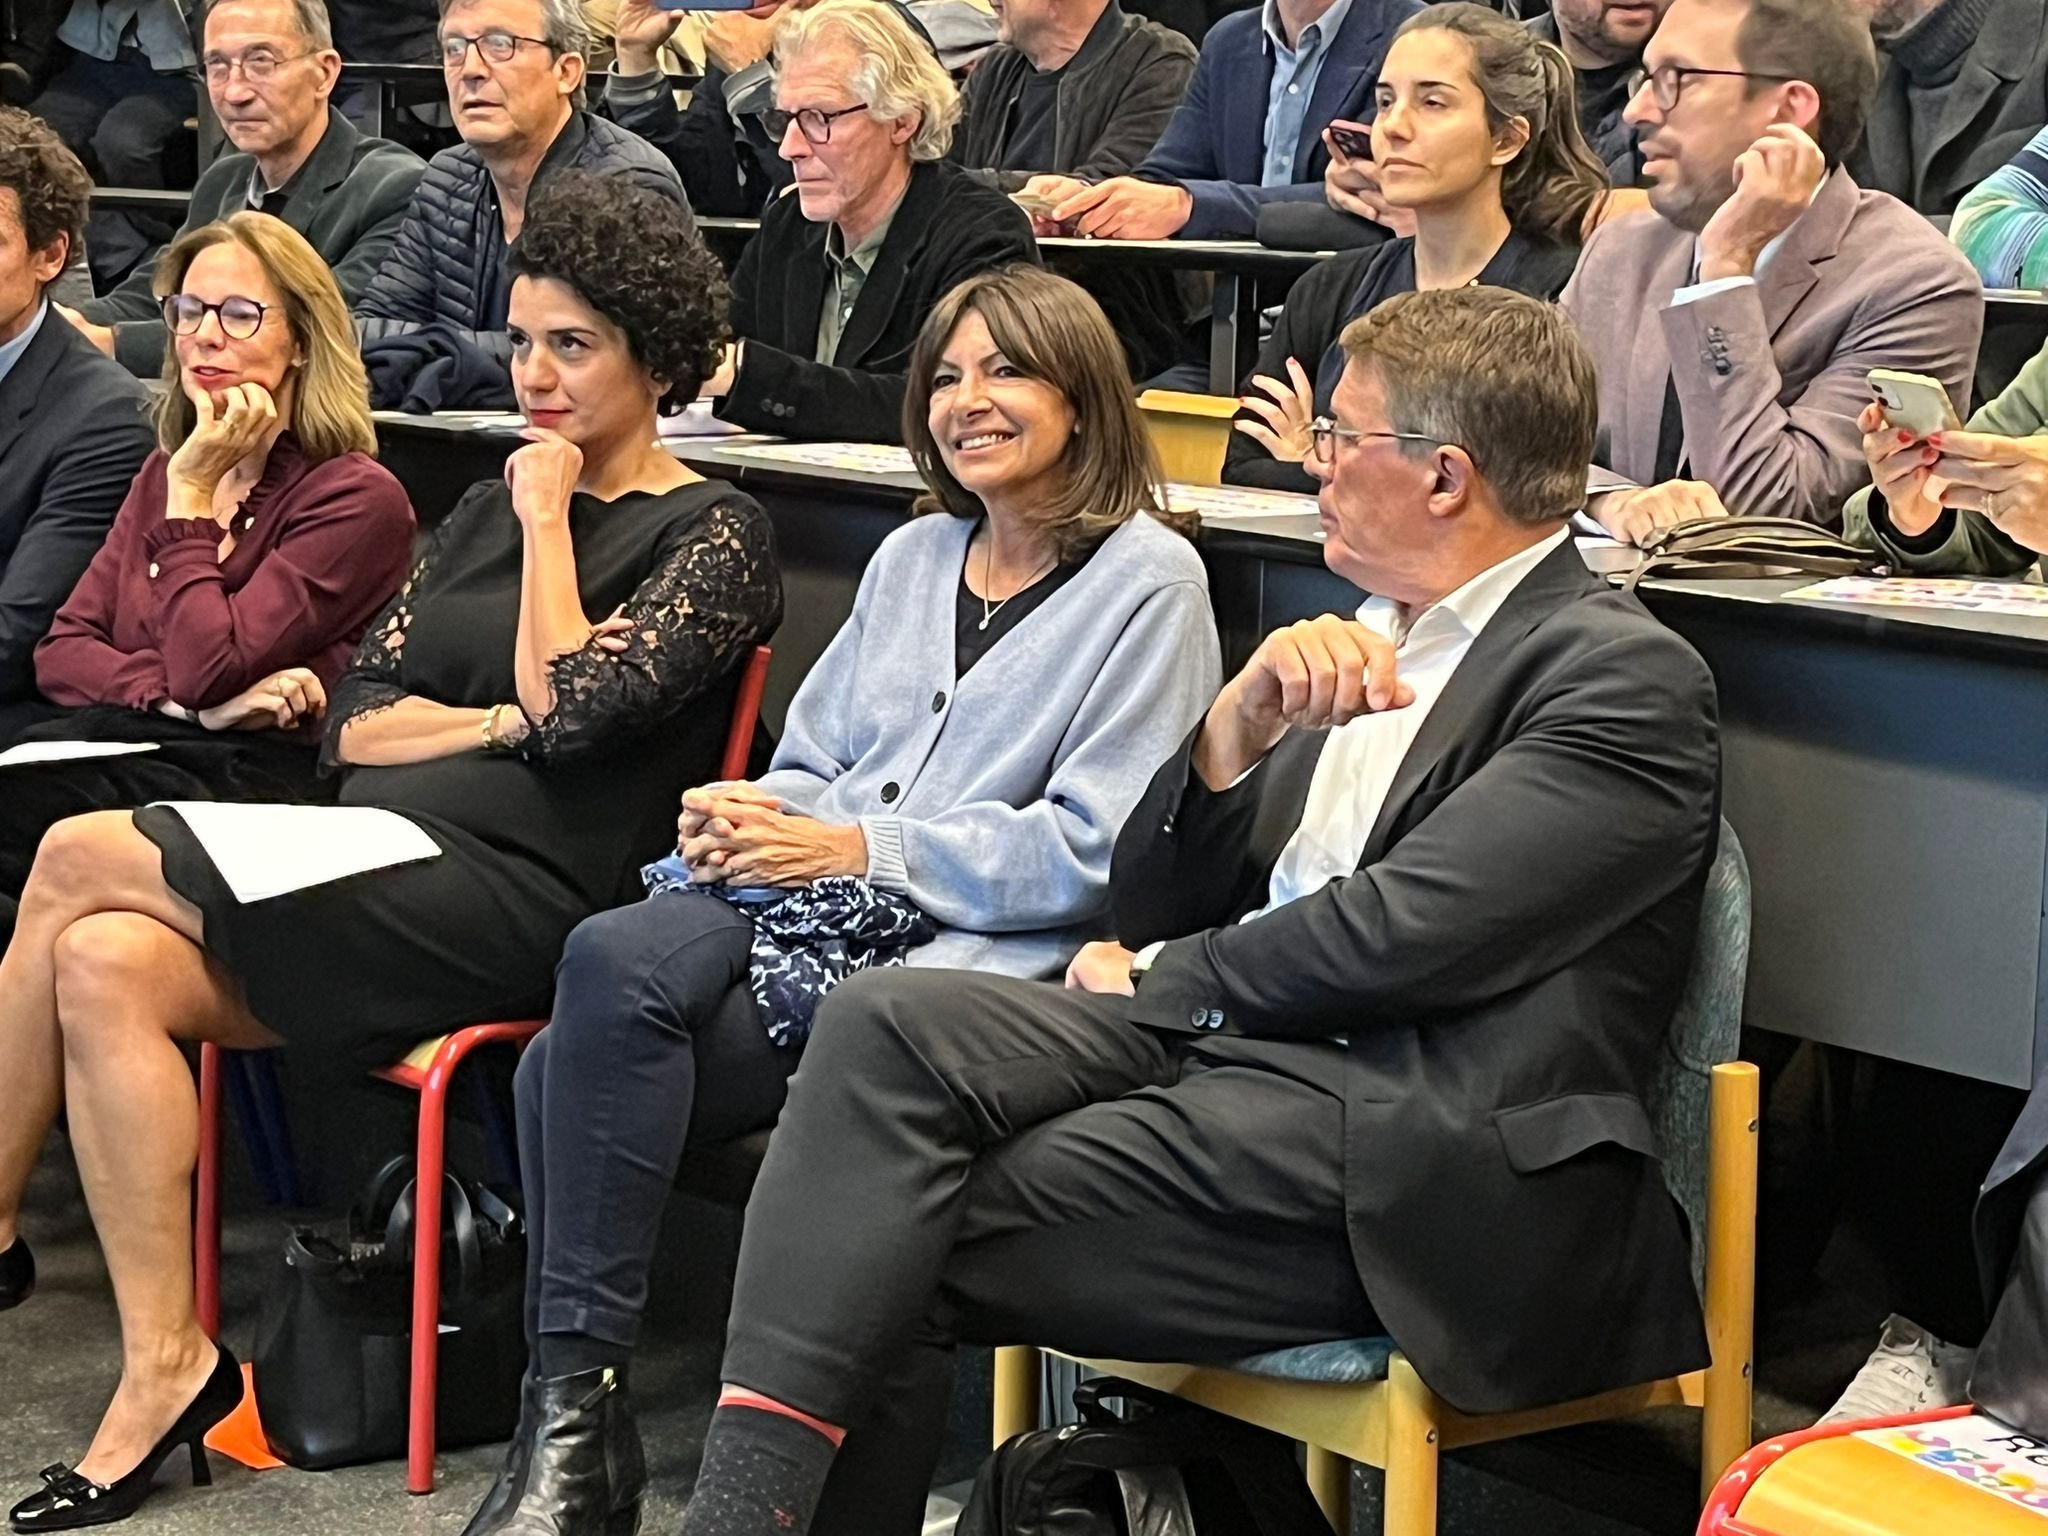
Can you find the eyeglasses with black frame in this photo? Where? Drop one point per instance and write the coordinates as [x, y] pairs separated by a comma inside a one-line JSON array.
[[1324, 432], [256, 65], [239, 318], [496, 47], [814, 123], [1667, 81]]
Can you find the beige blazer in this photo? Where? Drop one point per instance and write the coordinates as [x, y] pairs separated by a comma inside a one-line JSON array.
[[1770, 374]]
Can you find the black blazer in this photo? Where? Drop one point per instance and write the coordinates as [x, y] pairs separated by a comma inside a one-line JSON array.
[[1503, 965], [948, 227], [73, 432]]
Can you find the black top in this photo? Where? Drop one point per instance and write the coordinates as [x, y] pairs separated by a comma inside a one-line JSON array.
[[1602, 94], [1036, 125], [595, 783], [948, 228], [976, 630], [1333, 293]]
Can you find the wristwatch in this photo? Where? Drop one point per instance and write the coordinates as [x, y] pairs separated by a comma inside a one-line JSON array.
[[1141, 962]]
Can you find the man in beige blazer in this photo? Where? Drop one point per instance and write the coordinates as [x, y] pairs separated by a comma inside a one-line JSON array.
[[1733, 324]]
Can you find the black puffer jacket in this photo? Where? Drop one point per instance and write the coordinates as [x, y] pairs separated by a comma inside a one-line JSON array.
[[447, 265]]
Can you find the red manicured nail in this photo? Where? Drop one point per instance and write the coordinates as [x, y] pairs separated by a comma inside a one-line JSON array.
[[1905, 437], [1934, 439]]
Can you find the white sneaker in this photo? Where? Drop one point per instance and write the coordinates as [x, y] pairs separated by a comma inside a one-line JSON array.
[[1910, 1370]]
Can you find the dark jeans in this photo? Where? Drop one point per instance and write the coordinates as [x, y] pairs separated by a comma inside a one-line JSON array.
[[119, 117], [654, 1045], [973, 1158]]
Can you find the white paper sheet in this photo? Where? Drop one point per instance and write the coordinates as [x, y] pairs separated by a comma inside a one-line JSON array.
[[70, 751], [697, 420], [266, 850]]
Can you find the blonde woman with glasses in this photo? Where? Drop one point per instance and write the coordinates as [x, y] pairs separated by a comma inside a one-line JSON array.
[[252, 551]]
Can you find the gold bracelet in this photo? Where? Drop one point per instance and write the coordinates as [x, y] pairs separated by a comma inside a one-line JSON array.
[[490, 731]]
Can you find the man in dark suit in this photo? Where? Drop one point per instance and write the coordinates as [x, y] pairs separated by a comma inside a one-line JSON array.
[[829, 297], [1413, 907], [1965, 85], [1250, 131], [270, 80], [73, 429]]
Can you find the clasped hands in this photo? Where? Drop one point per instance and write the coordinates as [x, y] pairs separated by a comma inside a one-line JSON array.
[[735, 834], [2005, 478]]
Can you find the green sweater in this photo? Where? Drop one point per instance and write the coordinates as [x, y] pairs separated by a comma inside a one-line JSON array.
[[1961, 543]]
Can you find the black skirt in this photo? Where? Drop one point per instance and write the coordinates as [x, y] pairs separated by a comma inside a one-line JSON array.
[[356, 972]]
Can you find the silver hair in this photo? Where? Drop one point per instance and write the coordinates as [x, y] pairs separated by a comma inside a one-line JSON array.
[[309, 16], [897, 73], [562, 24]]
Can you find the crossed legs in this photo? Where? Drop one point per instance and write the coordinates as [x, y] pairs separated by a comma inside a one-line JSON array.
[[104, 977]]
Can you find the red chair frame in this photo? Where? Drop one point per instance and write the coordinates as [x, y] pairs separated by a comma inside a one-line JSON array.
[[431, 1083]]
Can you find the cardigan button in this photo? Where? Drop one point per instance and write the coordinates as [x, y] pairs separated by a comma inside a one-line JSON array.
[[890, 791], [938, 701]]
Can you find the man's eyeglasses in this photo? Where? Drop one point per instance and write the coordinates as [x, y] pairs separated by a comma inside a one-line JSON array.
[[495, 47], [239, 318], [256, 65], [1323, 434], [1667, 81], [814, 123]]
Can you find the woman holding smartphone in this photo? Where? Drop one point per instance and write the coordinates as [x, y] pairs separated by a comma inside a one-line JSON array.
[[1476, 138], [1959, 503]]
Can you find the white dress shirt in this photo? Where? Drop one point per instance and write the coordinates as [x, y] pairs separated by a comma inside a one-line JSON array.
[[1356, 770]]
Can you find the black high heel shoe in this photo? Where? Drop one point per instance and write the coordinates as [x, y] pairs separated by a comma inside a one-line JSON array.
[[17, 1275], [69, 1502]]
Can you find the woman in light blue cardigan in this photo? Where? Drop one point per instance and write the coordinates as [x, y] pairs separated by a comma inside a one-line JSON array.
[[949, 786]]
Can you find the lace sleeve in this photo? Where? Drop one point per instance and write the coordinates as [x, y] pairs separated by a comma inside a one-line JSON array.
[[372, 681], [716, 594]]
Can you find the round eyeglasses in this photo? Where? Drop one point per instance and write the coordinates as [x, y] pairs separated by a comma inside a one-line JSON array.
[[239, 318], [814, 123]]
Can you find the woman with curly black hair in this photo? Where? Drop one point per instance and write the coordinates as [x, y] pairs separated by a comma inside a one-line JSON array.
[[556, 669]]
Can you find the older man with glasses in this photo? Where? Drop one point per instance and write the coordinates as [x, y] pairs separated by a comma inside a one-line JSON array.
[[270, 68], [829, 297], [515, 73], [1735, 323]]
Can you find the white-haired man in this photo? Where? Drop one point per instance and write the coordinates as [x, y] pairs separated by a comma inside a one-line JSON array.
[[829, 296]]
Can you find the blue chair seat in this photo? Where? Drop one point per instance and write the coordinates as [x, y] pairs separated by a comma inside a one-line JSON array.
[[1341, 1362]]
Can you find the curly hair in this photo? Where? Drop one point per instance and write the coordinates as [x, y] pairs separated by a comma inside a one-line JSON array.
[[635, 257], [52, 185]]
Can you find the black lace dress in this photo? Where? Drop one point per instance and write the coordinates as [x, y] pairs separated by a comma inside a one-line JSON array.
[[532, 841]]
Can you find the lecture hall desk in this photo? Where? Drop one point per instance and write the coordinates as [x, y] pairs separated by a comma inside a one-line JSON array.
[[1888, 771]]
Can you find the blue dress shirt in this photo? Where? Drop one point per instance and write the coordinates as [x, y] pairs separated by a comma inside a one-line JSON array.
[[1294, 81], [10, 354]]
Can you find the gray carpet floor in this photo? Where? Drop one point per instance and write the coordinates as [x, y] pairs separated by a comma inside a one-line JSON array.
[[59, 1357]]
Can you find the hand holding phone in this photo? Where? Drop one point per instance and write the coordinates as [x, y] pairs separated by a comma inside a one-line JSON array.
[[1913, 402]]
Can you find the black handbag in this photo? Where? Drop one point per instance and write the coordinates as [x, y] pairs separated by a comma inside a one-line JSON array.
[[333, 1342], [1160, 1468]]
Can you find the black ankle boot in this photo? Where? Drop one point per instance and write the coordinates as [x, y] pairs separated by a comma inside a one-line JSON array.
[[510, 1486], [17, 1275], [574, 1469]]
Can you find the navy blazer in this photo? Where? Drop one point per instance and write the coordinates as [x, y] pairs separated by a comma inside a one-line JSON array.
[[1215, 146]]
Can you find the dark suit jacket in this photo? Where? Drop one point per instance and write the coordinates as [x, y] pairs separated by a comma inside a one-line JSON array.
[[348, 200], [1215, 146], [1503, 966], [73, 432], [948, 227], [1995, 103], [729, 167]]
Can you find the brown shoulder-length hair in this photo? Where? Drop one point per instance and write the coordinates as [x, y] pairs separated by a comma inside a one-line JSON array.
[[331, 415], [1052, 330]]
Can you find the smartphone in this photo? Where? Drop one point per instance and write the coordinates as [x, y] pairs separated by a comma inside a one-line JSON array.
[[1913, 402], [1355, 139]]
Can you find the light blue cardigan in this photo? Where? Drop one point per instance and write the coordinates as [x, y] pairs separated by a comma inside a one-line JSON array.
[[993, 801]]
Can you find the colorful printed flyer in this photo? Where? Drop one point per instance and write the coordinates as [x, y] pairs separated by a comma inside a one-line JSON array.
[[2023, 597], [2005, 1462]]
